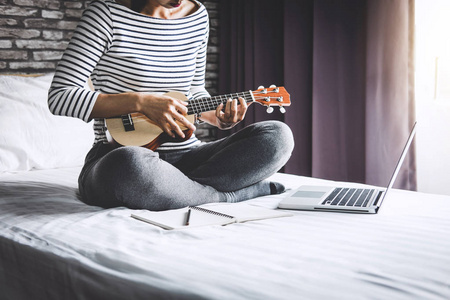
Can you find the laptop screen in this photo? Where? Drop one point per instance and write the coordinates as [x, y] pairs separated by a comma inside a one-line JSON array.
[[400, 161]]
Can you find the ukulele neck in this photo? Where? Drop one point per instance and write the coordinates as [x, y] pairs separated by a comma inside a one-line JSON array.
[[199, 105]]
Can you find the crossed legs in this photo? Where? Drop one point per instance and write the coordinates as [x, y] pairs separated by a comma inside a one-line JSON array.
[[231, 169]]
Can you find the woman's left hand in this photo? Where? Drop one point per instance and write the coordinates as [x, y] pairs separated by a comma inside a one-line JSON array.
[[232, 114]]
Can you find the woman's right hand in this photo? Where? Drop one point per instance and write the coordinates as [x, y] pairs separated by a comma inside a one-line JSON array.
[[165, 111]]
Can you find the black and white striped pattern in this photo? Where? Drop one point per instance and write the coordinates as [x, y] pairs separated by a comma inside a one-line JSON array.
[[126, 51]]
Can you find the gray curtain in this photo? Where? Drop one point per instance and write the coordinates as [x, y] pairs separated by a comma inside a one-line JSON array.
[[348, 66]]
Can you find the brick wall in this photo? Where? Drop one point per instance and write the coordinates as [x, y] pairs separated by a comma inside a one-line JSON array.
[[34, 34], [212, 67]]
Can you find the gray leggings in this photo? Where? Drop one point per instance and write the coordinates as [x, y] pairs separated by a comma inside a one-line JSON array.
[[230, 169]]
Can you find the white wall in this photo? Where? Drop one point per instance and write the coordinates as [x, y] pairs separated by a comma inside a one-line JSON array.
[[433, 147]]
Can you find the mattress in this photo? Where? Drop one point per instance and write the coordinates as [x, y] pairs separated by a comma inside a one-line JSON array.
[[52, 246]]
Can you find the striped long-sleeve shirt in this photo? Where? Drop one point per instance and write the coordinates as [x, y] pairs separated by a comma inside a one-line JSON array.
[[125, 51]]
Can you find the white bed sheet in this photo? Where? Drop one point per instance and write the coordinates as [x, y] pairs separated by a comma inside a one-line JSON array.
[[52, 246]]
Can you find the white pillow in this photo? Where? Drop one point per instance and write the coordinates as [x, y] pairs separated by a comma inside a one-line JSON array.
[[30, 136]]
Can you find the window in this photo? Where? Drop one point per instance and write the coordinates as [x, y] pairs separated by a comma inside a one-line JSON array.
[[432, 46], [432, 94]]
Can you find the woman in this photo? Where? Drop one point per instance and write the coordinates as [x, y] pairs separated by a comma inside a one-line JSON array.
[[134, 54]]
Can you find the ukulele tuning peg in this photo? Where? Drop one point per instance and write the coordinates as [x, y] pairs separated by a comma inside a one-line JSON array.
[[260, 87], [269, 109], [282, 110], [273, 86]]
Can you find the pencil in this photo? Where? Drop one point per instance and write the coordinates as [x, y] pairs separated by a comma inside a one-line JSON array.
[[188, 216]]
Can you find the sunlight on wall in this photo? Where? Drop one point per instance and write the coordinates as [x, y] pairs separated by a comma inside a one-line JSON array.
[[432, 46]]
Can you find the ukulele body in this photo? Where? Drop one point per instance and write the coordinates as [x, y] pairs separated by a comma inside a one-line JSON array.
[[146, 133]]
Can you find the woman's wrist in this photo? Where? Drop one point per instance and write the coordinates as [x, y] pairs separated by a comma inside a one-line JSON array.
[[137, 100]]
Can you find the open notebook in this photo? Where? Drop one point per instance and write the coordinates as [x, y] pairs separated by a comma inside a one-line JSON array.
[[208, 214]]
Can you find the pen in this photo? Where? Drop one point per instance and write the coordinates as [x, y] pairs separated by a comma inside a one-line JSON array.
[[188, 216]]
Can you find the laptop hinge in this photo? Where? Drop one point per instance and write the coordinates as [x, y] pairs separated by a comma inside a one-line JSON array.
[[342, 210], [378, 198]]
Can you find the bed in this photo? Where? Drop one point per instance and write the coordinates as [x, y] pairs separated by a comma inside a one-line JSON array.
[[53, 246]]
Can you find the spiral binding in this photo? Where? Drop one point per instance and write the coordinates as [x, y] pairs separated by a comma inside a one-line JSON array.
[[208, 211]]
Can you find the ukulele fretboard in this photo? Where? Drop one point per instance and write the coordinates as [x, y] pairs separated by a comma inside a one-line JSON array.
[[200, 105]]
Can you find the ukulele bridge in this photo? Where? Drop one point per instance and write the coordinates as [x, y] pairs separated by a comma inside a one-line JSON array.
[[127, 122]]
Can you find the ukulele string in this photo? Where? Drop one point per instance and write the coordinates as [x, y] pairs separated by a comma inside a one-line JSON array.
[[200, 102]]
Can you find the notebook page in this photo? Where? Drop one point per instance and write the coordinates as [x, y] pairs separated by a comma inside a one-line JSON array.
[[177, 218], [244, 212]]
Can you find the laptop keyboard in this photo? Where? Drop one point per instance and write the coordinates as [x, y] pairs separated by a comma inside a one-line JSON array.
[[349, 197]]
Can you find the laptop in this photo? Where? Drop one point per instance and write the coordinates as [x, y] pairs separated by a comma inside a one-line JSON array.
[[343, 199]]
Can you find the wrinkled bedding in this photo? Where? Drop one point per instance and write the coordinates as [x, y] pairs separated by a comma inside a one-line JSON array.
[[52, 246]]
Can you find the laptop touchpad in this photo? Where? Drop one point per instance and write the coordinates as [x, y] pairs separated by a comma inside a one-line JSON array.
[[308, 194]]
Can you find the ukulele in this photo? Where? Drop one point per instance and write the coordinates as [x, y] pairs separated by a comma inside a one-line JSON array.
[[136, 129]]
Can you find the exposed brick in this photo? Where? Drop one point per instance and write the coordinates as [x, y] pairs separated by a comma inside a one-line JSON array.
[[211, 75], [210, 86], [212, 67], [201, 132], [212, 58], [11, 54], [213, 40], [213, 49], [74, 13], [38, 44], [67, 35], [73, 4], [209, 83], [213, 31], [213, 14], [211, 5], [5, 44], [32, 65], [47, 55], [70, 25], [17, 11], [52, 14], [38, 3], [214, 22], [8, 22], [3, 65], [52, 35], [40, 23], [19, 33]]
